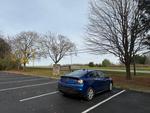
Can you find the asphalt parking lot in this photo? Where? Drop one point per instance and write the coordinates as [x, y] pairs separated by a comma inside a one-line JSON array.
[[30, 94]]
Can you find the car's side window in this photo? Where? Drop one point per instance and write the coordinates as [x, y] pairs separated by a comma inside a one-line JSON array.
[[93, 74], [100, 74]]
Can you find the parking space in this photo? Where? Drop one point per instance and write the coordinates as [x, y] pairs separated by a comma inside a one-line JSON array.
[[29, 94], [128, 102]]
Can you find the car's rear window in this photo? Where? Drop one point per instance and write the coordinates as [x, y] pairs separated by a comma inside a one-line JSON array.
[[78, 73]]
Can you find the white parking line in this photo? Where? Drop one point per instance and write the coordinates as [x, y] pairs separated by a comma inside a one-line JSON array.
[[38, 96], [26, 86], [9, 78], [18, 81], [6, 76], [100, 103]]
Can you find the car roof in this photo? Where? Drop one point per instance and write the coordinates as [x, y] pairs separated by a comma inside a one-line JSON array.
[[82, 71], [87, 70], [90, 70]]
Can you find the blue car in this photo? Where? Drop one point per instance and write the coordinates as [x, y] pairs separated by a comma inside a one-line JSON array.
[[86, 83]]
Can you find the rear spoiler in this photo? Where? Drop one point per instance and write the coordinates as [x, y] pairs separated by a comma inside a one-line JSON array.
[[70, 77]]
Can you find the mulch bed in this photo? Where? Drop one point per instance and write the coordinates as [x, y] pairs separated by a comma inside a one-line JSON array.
[[136, 81]]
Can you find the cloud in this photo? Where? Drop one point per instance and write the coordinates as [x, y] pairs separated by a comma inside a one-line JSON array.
[[67, 17], [43, 15]]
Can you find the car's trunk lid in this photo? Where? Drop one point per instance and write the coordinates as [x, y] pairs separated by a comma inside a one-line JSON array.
[[69, 80]]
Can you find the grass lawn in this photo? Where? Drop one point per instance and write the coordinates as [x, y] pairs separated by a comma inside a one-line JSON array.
[[141, 82], [46, 72], [138, 67]]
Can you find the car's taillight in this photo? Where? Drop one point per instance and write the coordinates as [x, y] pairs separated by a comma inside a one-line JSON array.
[[80, 81]]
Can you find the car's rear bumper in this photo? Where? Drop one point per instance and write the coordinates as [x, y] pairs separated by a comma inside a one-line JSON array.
[[70, 89]]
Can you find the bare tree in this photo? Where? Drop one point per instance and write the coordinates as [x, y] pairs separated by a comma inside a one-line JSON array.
[[25, 46], [56, 46], [113, 29], [140, 26]]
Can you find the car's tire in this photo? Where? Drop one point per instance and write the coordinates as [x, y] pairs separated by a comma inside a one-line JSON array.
[[110, 86], [89, 94], [64, 94]]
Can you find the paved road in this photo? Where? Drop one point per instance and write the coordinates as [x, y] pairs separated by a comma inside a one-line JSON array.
[[28, 94]]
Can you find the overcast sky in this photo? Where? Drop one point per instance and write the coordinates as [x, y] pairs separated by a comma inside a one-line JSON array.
[[67, 17]]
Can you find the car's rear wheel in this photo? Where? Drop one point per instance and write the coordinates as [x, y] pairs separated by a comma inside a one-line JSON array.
[[110, 86], [89, 94]]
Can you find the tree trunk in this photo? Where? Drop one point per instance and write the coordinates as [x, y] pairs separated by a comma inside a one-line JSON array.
[[55, 62], [18, 67], [24, 66], [134, 66], [128, 72]]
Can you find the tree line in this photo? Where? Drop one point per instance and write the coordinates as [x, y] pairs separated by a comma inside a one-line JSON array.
[[139, 59], [28, 46]]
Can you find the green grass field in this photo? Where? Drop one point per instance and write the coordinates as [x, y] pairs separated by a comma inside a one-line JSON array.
[[111, 72], [39, 72], [138, 67]]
